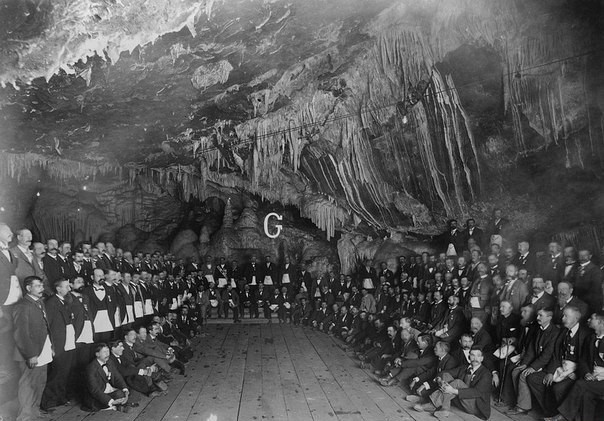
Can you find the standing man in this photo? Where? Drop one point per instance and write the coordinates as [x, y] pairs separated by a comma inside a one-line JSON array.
[[25, 257], [588, 285], [33, 349], [62, 335], [101, 308]]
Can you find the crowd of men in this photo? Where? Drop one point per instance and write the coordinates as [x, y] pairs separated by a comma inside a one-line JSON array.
[[455, 327]]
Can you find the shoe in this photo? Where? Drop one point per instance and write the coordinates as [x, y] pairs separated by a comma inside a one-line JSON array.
[[558, 417], [413, 398], [123, 408], [47, 411], [378, 372], [419, 408], [517, 411], [154, 394], [442, 414], [363, 365], [161, 386], [499, 404], [389, 382]]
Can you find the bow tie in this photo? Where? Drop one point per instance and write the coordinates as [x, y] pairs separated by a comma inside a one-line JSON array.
[[3, 248], [99, 288]]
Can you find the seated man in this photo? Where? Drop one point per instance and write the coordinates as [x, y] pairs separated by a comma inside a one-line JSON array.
[[138, 379], [162, 354], [535, 357], [423, 385], [581, 403], [106, 386], [389, 351], [452, 326], [342, 323], [411, 368], [468, 387], [409, 351], [550, 386], [302, 313]]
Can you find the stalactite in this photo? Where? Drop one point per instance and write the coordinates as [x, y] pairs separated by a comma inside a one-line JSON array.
[[15, 165]]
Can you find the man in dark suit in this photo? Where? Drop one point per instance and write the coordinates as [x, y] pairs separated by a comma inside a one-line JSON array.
[[550, 386], [452, 240], [33, 349], [52, 266], [138, 379], [473, 232], [438, 310], [567, 299], [411, 368], [269, 274], [468, 387], [106, 386], [525, 259], [588, 285], [540, 299], [571, 265], [588, 390], [535, 357], [230, 300], [424, 384], [10, 292], [552, 264], [452, 326], [62, 335]]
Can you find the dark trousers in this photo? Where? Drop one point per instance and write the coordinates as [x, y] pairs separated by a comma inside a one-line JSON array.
[[548, 397], [76, 384], [31, 387], [103, 337], [55, 392], [235, 311], [582, 400], [142, 384]]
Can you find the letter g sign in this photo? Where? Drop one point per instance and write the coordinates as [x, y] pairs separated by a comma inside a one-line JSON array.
[[278, 226]]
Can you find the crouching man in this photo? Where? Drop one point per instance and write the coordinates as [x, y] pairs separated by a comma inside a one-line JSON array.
[[468, 387]]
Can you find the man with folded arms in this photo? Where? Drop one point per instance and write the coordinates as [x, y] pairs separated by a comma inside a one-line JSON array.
[[424, 384], [468, 387]]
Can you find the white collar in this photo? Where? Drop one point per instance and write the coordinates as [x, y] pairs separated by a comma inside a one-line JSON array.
[[574, 330]]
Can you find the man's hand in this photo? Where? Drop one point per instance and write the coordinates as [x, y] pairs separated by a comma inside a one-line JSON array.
[[590, 377], [522, 367], [548, 379], [447, 388], [32, 362], [528, 371], [572, 376], [495, 380], [412, 384]]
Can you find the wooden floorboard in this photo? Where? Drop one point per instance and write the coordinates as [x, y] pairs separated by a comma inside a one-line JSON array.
[[271, 371]]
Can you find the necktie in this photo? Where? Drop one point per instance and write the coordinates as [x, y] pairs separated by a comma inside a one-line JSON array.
[[467, 378]]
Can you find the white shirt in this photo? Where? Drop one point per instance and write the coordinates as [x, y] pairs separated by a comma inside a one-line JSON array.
[[573, 330]]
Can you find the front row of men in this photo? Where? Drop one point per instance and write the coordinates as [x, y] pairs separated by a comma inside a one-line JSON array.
[[55, 351], [560, 368]]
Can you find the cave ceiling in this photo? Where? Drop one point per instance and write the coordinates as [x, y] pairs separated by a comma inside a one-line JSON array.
[[385, 112]]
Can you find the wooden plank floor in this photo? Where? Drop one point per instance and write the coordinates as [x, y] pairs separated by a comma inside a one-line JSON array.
[[271, 372]]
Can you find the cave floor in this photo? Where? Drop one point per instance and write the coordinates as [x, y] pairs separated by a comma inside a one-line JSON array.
[[271, 372]]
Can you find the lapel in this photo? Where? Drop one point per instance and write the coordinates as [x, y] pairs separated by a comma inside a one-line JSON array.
[[5, 261]]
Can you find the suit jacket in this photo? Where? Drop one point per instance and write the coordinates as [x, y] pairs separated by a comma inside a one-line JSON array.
[[105, 262], [423, 311], [455, 322], [515, 294], [448, 362], [482, 289], [508, 327], [483, 340], [151, 348], [426, 361], [546, 301], [541, 347], [477, 235], [552, 268], [7, 269], [24, 267], [580, 350], [574, 302], [58, 315], [588, 286], [528, 262], [79, 309], [437, 313], [30, 328], [53, 268], [96, 379], [593, 354], [480, 388]]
